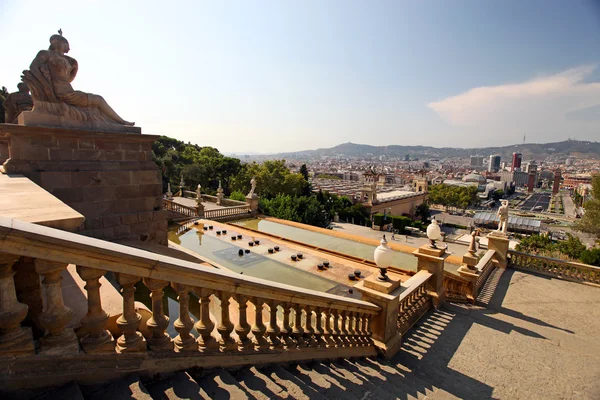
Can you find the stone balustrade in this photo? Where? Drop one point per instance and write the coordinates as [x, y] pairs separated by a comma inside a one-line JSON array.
[[181, 209], [568, 270], [414, 301], [297, 319], [227, 212], [458, 289]]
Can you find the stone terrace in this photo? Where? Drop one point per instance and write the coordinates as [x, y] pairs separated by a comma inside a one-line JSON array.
[[531, 338]]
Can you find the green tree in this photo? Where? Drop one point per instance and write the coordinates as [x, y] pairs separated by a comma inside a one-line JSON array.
[[572, 247], [422, 212], [590, 222], [498, 194], [272, 178], [591, 257]]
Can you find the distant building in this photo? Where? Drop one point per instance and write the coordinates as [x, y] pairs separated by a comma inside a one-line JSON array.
[[494, 165], [476, 161], [407, 157], [520, 178], [572, 181], [569, 161], [516, 161]]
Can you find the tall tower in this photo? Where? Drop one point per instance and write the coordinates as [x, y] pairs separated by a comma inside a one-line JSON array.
[[494, 165], [516, 161], [556, 186]]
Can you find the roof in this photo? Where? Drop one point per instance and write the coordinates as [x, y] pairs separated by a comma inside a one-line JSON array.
[[395, 195], [514, 222]]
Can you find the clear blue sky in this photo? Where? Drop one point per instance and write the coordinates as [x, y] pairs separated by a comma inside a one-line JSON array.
[[269, 76]]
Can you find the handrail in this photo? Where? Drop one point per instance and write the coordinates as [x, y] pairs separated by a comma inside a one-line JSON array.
[[25, 239], [182, 209], [227, 211], [458, 288], [568, 270], [484, 268], [414, 301]]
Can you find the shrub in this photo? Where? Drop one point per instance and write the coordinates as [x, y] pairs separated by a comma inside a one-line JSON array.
[[378, 219], [400, 223], [239, 196], [591, 257]]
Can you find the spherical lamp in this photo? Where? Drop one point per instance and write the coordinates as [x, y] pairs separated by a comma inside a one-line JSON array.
[[383, 258], [433, 233]]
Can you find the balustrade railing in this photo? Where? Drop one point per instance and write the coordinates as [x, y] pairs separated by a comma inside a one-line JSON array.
[[414, 301], [298, 319], [484, 268], [181, 209], [227, 212], [457, 288], [562, 269]]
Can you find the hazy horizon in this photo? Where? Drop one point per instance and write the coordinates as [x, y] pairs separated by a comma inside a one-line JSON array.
[[273, 77]]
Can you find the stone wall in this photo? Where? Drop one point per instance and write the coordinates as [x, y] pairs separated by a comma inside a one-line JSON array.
[[110, 178], [3, 149]]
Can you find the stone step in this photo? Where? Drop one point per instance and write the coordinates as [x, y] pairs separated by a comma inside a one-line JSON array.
[[130, 387], [70, 391], [259, 385], [177, 386], [293, 386], [316, 376], [219, 385]]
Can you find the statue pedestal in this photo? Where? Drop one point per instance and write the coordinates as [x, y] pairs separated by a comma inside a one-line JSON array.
[[252, 201], [386, 287], [499, 242], [108, 177]]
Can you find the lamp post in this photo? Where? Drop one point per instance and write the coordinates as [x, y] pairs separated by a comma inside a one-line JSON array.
[[383, 257]]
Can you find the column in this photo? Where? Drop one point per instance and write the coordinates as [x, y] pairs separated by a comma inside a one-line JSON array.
[[98, 339]]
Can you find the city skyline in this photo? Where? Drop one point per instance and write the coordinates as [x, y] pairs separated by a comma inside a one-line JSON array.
[[296, 76]]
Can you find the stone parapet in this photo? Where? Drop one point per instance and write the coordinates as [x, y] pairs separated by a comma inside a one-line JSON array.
[[108, 177]]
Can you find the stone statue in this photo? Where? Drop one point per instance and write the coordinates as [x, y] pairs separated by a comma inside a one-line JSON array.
[[252, 187], [473, 243], [16, 103], [55, 101], [503, 214]]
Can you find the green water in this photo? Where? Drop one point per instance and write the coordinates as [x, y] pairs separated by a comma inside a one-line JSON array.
[[361, 250], [255, 265]]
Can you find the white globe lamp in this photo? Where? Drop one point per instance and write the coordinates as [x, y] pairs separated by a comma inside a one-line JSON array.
[[383, 258], [433, 233]]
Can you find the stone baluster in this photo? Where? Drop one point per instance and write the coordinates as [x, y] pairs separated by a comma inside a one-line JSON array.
[[204, 326], [184, 341], [319, 332], [97, 339], [329, 330], [14, 340], [344, 337], [309, 332], [157, 324], [336, 329], [273, 329], [358, 329], [225, 327], [286, 329], [56, 316], [367, 327], [258, 329], [350, 328], [242, 329], [298, 330], [131, 340]]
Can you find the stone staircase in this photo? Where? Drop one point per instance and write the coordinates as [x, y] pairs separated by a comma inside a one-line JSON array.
[[363, 378]]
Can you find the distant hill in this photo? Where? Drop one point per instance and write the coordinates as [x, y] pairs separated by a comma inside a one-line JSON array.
[[568, 148]]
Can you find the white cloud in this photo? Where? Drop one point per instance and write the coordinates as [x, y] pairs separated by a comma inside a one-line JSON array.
[[540, 103]]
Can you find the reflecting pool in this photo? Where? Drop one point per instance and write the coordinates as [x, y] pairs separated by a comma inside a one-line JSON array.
[[361, 250]]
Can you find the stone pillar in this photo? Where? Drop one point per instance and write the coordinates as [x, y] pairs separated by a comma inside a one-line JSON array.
[[432, 261], [200, 209], [56, 316], [14, 340], [252, 201], [468, 271], [384, 325], [499, 243]]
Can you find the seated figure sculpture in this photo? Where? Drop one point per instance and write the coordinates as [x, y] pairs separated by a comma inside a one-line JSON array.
[[55, 101], [16, 103]]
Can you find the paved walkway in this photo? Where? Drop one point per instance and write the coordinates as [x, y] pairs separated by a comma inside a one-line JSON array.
[[568, 205], [531, 338]]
